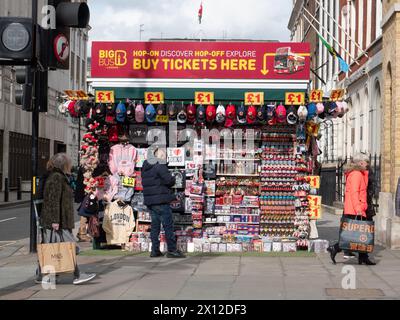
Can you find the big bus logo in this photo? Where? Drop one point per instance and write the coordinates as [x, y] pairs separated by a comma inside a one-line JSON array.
[[112, 58], [288, 62]]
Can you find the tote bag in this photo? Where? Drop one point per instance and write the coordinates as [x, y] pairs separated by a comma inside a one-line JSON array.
[[60, 255], [357, 235]]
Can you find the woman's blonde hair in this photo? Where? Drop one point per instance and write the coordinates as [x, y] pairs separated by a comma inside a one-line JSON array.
[[60, 161]]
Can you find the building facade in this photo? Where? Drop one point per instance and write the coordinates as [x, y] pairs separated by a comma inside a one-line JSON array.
[[388, 220], [360, 129], [56, 133]]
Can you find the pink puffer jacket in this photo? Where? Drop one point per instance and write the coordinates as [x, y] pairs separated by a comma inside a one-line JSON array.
[[122, 160]]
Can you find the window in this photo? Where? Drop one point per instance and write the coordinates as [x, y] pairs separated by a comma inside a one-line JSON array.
[[1, 83], [378, 18], [72, 69], [353, 136]]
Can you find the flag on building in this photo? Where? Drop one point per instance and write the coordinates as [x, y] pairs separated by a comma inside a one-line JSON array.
[[201, 12], [342, 63]]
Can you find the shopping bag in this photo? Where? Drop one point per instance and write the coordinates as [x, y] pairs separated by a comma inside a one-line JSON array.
[[59, 256], [357, 235]]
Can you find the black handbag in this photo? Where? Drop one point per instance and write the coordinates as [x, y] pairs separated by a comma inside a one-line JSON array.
[[178, 205], [180, 178]]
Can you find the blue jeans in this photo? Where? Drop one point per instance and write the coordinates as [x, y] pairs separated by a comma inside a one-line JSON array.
[[162, 214]]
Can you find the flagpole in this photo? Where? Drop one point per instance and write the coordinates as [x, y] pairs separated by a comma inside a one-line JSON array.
[[342, 29], [327, 31], [318, 32]]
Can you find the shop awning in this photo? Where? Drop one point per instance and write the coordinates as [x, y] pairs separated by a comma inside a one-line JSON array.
[[183, 89]]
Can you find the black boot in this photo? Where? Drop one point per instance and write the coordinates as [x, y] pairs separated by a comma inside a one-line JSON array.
[[366, 261], [333, 251]]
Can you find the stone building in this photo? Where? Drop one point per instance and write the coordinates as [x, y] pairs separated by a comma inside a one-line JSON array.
[[388, 220], [56, 133]]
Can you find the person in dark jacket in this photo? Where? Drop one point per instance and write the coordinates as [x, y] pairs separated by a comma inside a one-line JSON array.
[[157, 191], [57, 216]]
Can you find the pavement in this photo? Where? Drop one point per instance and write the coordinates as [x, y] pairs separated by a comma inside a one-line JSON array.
[[202, 277]]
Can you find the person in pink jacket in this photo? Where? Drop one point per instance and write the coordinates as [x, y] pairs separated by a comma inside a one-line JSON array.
[[355, 201]]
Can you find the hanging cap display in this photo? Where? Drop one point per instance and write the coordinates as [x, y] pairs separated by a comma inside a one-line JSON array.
[[201, 114], [332, 108], [182, 117], [211, 113], [312, 111], [241, 114], [220, 117], [251, 114], [302, 113], [281, 113], [121, 112], [270, 111], [150, 113], [191, 113], [172, 111], [139, 113], [230, 115], [292, 117]]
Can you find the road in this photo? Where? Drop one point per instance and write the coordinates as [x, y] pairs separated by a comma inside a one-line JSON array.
[[14, 223]]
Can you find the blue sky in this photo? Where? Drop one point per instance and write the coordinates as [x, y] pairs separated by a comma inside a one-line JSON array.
[[237, 19]]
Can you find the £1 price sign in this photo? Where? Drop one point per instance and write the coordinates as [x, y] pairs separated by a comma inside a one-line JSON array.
[[204, 98], [295, 98], [314, 201], [254, 98], [315, 213], [316, 96], [337, 95], [315, 182], [153, 97], [105, 97]]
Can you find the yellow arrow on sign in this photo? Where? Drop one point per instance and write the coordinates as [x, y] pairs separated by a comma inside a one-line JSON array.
[[264, 70]]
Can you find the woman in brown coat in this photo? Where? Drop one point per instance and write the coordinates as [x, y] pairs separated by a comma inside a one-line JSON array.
[[57, 216]]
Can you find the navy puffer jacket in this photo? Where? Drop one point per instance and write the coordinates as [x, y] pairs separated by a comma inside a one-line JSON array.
[[157, 182]]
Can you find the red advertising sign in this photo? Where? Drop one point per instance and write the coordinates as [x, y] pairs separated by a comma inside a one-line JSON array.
[[201, 60]]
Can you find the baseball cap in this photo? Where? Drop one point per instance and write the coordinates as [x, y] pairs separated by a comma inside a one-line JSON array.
[[85, 107], [161, 110], [270, 111], [320, 108], [251, 114], [230, 115], [241, 114], [150, 113], [182, 117], [130, 112], [121, 112], [312, 111], [211, 113], [302, 113], [139, 113], [331, 108], [261, 114], [201, 115], [292, 116], [99, 112], [191, 113], [220, 117], [281, 113], [71, 109], [172, 111], [110, 113]]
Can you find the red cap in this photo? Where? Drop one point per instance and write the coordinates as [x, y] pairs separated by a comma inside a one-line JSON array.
[[230, 115], [251, 114], [281, 113], [191, 113], [211, 113]]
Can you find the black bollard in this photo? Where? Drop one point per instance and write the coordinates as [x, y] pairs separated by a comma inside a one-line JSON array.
[[6, 190], [19, 187]]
